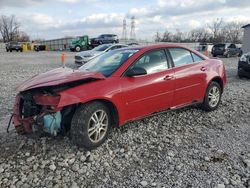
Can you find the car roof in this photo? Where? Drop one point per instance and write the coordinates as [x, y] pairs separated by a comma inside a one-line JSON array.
[[118, 45], [154, 46], [157, 46]]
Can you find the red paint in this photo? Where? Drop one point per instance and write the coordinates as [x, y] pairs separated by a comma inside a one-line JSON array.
[[56, 77], [18, 121], [133, 97], [46, 99]]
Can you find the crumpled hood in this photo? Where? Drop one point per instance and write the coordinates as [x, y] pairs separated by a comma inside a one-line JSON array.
[[56, 77]]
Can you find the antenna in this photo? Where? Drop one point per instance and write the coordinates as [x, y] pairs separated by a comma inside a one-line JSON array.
[[124, 30], [132, 31]]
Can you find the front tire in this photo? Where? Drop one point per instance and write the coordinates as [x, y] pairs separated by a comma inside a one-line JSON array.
[[212, 97], [77, 48], [240, 74], [90, 125]]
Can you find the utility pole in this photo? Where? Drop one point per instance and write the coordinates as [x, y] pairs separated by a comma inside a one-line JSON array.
[[132, 31], [124, 30]]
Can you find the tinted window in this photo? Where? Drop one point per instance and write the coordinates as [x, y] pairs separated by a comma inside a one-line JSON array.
[[153, 62], [232, 46], [180, 56], [196, 58], [115, 47], [219, 45], [101, 47]]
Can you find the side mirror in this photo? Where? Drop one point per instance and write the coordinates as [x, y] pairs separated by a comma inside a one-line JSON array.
[[136, 71]]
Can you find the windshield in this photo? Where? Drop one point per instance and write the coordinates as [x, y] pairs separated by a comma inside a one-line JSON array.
[[108, 63], [101, 47]]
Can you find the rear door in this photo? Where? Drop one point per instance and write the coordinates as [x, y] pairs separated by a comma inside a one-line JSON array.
[[153, 92], [190, 76]]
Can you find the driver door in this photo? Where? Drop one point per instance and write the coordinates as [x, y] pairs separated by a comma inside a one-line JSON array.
[[153, 92]]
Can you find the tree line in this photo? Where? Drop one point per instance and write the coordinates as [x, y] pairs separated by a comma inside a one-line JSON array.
[[216, 32], [10, 30]]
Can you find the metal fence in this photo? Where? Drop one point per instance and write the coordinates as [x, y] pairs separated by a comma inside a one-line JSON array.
[[57, 44], [2, 47]]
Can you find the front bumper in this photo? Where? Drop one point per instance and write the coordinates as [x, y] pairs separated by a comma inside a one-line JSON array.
[[22, 125], [79, 62], [36, 121]]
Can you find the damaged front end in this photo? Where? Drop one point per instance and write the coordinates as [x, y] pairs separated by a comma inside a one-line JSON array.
[[38, 107], [37, 110]]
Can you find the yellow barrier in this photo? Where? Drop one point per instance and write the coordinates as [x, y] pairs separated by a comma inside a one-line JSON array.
[[25, 47]]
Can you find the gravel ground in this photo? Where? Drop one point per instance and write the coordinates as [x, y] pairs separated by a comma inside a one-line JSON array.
[[182, 148]]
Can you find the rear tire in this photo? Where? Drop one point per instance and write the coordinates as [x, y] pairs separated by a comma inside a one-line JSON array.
[[212, 97], [90, 125], [240, 54], [240, 75], [214, 55]]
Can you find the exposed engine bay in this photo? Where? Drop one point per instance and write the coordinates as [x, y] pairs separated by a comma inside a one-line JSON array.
[[36, 110]]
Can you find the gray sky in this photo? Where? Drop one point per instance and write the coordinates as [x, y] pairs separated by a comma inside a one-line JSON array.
[[58, 18]]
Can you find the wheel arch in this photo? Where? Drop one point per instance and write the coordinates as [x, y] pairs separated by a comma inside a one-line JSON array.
[[219, 80], [71, 109], [111, 106]]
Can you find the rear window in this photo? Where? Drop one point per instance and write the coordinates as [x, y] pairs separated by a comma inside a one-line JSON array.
[[219, 45]]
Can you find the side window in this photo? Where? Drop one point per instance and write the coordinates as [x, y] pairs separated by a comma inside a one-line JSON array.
[[152, 62], [180, 56], [196, 58], [114, 47]]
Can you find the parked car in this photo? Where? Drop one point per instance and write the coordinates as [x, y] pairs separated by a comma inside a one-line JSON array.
[[226, 49], [244, 66], [39, 47], [85, 56], [117, 87], [10, 46], [104, 39]]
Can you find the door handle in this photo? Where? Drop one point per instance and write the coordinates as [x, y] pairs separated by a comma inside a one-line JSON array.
[[169, 77], [203, 68]]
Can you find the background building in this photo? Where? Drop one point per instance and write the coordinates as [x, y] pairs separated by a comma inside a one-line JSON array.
[[246, 39]]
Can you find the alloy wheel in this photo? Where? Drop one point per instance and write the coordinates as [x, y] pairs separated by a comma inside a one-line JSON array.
[[97, 126], [214, 96]]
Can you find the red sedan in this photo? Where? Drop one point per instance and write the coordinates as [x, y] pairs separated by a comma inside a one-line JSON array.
[[115, 88]]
